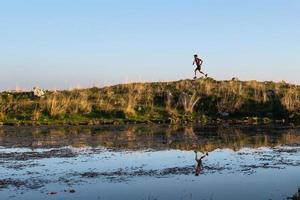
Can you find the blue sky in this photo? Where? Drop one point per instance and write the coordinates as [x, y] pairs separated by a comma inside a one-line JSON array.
[[69, 43]]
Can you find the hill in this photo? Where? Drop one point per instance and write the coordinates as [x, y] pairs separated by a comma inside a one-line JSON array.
[[202, 101]]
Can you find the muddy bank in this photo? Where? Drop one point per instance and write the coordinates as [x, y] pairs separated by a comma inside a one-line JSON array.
[[152, 173], [19, 184], [55, 153]]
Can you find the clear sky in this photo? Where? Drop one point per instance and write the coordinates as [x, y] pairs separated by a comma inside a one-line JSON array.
[[69, 43]]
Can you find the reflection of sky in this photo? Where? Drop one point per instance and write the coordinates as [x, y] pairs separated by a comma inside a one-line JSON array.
[[54, 43], [231, 183]]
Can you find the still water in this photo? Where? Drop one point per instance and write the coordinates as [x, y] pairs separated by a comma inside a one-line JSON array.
[[142, 162]]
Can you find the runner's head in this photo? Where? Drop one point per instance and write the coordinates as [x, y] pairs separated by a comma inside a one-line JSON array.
[[195, 56]]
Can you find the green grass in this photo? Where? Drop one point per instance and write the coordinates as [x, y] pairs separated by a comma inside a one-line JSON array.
[[184, 101]]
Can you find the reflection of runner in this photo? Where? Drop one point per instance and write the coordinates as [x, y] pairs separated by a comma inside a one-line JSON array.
[[198, 63], [199, 166]]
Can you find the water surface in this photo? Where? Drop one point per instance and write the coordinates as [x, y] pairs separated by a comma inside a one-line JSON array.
[[149, 162]]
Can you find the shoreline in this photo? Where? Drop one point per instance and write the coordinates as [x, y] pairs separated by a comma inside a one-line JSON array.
[[96, 122]]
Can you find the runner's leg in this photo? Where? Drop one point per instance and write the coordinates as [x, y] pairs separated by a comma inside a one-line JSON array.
[[196, 157], [199, 67]]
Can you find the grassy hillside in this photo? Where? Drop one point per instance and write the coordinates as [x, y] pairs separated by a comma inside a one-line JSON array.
[[203, 100]]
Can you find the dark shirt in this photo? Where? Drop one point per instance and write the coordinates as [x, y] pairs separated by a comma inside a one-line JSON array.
[[197, 61]]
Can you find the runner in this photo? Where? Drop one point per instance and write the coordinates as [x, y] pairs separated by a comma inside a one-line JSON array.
[[199, 166], [198, 63]]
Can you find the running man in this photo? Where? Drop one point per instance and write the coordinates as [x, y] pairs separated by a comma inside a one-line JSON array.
[[199, 166], [198, 63]]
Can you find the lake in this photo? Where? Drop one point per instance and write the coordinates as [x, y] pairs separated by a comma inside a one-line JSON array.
[[149, 162]]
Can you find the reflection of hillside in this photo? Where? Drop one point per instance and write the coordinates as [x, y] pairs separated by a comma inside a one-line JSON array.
[[142, 137]]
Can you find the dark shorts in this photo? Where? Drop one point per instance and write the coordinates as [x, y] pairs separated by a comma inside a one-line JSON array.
[[198, 67]]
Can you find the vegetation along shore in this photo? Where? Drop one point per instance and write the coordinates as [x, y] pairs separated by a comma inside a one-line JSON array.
[[204, 101]]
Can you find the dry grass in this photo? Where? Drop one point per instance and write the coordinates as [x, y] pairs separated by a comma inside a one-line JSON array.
[[230, 97], [59, 104], [169, 102], [36, 114], [184, 85], [79, 103], [291, 99], [6, 104], [104, 99], [132, 97], [2, 115], [148, 97], [205, 87], [188, 101], [157, 100], [56, 104], [259, 91]]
